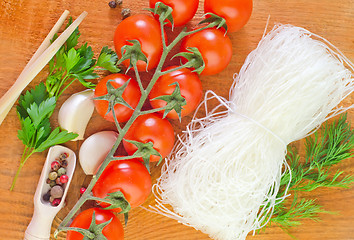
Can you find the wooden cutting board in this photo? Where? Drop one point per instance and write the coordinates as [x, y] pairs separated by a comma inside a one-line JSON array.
[[25, 23]]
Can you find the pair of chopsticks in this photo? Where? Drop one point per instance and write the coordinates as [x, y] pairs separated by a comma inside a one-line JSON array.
[[39, 60]]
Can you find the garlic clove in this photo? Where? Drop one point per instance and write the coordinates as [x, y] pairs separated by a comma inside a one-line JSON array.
[[76, 112], [94, 150]]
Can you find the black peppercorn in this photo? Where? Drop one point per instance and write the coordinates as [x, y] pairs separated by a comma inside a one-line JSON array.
[[112, 4], [46, 196], [64, 163], [125, 13], [63, 156]]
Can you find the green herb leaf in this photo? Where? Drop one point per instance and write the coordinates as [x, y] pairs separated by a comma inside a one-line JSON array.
[[56, 137], [108, 60], [299, 209], [27, 131], [74, 37], [86, 61], [36, 95], [45, 130], [331, 144], [44, 110], [71, 59]]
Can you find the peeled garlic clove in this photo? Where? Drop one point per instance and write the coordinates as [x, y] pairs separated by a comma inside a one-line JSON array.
[[94, 150], [76, 112]]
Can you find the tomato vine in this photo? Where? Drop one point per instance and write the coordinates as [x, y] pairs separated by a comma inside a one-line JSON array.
[[134, 53]]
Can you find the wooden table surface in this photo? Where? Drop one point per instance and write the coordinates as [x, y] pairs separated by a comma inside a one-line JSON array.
[[25, 23]]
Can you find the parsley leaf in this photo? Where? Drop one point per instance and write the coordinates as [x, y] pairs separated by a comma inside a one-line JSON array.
[[56, 137], [27, 131], [36, 95], [44, 110], [108, 59]]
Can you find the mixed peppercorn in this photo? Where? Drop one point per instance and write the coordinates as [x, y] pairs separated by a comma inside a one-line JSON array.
[[56, 180]]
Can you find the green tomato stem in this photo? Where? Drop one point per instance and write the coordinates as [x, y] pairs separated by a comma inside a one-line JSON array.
[[154, 110], [119, 128], [88, 234], [173, 69], [122, 158], [138, 79]]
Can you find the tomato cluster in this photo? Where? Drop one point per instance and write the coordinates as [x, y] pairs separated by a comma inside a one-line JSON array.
[[131, 177]]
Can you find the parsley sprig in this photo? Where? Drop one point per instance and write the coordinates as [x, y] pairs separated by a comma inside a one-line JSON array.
[[36, 106], [34, 110], [71, 64], [332, 144]]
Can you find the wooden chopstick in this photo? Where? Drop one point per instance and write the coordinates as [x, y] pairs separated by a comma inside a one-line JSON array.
[[38, 61], [44, 45], [46, 42]]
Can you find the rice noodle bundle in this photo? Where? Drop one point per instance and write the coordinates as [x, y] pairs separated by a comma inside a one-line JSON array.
[[228, 165]]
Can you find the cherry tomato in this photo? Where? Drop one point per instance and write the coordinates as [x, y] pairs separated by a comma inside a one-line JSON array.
[[190, 85], [183, 10], [215, 47], [235, 12], [131, 95], [128, 176], [146, 30], [113, 231], [151, 128]]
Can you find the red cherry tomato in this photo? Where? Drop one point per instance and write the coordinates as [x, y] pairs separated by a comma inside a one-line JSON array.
[[113, 231], [183, 10], [190, 85], [235, 12], [128, 176], [215, 47], [131, 95], [151, 128], [146, 30]]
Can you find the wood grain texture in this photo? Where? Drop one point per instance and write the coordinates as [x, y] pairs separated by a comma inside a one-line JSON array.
[[25, 23]]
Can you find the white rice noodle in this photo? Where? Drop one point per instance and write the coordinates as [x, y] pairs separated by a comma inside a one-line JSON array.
[[227, 166]]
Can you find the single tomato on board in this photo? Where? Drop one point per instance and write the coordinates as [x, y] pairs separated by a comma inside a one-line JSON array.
[[145, 29], [215, 47], [131, 95], [113, 231], [189, 83], [183, 10], [151, 128], [128, 176], [235, 12]]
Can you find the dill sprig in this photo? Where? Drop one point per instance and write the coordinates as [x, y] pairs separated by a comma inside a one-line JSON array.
[[330, 145]]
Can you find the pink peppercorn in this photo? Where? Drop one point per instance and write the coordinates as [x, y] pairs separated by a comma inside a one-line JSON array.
[[56, 202], [82, 190], [55, 165], [64, 178]]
